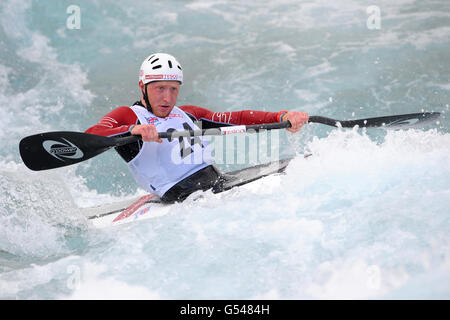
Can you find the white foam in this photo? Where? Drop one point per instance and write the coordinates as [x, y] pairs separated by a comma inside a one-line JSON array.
[[33, 204], [94, 285], [58, 83], [352, 279]]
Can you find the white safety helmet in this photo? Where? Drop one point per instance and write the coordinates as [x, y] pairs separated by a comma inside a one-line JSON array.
[[160, 67]]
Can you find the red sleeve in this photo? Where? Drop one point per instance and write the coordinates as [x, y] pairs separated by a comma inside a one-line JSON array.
[[245, 117], [116, 122]]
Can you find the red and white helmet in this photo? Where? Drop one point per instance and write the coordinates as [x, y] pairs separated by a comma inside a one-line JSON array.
[[160, 67]]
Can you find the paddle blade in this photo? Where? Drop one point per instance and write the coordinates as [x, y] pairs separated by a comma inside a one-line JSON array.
[[413, 120], [402, 121], [62, 148]]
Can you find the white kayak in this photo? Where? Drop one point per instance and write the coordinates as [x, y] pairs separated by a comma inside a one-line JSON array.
[[145, 207], [150, 206]]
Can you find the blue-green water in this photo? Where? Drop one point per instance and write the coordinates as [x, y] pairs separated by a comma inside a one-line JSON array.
[[366, 217]]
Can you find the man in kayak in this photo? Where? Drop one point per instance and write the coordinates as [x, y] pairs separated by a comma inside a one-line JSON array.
[[157, 164]]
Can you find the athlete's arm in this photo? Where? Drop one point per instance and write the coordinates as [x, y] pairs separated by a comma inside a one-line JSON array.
[[212, 119], [119, 121], [245, 117]]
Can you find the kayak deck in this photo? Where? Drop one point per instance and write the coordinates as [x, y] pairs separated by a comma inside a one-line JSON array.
[[151, 206]]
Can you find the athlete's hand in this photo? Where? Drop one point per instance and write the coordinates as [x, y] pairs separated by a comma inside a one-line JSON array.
[[297, 120], [148, 132]]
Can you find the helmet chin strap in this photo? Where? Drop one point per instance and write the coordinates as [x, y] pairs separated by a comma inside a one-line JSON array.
[[147, 103]]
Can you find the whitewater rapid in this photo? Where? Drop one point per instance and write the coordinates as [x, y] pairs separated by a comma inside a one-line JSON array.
[[357, 219], [364, 217]]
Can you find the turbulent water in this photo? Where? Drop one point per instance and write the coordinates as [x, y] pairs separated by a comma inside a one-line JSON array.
[[365, 217]]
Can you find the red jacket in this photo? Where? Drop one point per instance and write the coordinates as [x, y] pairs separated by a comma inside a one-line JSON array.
[[119, 121]]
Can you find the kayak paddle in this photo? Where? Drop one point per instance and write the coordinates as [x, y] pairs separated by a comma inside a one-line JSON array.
[[51, 150], [57, 149]]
